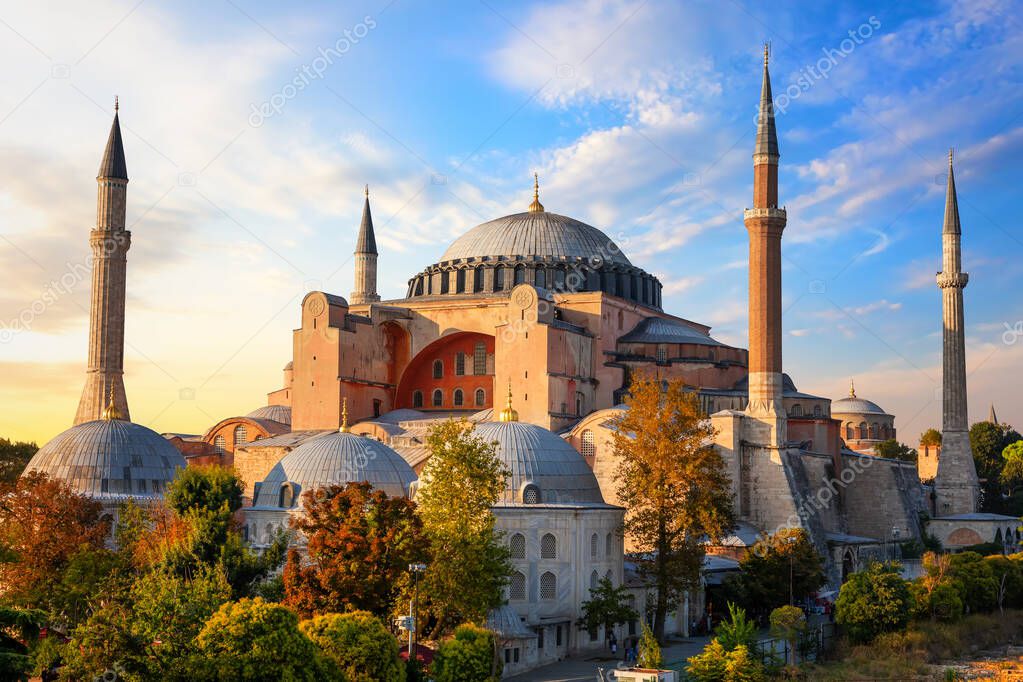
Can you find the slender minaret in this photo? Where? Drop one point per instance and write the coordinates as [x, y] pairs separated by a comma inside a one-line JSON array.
[[365, 260], [104, 378], [765, 223], [955, 484]]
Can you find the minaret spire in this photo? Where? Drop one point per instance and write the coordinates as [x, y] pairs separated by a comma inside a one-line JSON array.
[[104, 379], [365, 259], [955, 484]]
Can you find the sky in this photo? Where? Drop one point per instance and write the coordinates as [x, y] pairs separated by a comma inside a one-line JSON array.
[[250, 129]]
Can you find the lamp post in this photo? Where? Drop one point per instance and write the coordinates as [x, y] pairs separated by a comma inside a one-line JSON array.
[[791, 541], [413, 611], [895, 538]]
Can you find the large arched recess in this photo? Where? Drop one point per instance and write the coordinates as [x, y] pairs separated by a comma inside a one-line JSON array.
[[398, 345], [420, 374]]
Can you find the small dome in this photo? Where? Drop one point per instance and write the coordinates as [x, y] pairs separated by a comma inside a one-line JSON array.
[[855, 406], [110, 458], [538, 458], [277, 413], [535, 234], [335, 458]]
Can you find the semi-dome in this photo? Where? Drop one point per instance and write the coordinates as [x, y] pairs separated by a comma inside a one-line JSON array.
[[544, 468], [110, 459], [278, 413], [334, 459], [547, 235]]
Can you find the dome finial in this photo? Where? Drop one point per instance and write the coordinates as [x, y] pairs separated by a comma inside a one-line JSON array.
[[852, 388], [536, 206], [117, 105], [367, 191], [767, 52], [508, 414], [344, 416], [110, 411]]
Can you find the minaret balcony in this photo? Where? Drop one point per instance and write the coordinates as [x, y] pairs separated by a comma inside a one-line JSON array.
[[952, 280], [777, 213]]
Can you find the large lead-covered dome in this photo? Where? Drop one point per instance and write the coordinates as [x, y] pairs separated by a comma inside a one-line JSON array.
[[110, 459]]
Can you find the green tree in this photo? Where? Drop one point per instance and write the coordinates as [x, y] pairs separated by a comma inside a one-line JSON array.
[[14, 455], [873, 601], [976, 581], [608, 606], [709, 664], [17, 626], [930, 437], [742, 666], [934, 594], [468, 565], [788, 623], [253, 640], [775, 562], [1012, 466], [360, 543], [649, 655], [988, 441], [1009, 575], [469, 656], [737, 631], [673, 485], [359, 644], [205, 488], [893, 449]]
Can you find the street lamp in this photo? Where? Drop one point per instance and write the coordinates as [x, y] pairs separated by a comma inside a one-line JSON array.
[[413, 610], [895, 538], [791, 540]]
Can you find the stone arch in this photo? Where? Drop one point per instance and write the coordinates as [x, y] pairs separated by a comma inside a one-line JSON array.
[[963, 537], [418, 375]]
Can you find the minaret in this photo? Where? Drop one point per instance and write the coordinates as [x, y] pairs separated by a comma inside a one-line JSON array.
[[765, 223], [365, 260], [955, 484], [104, 378], [991, 416]]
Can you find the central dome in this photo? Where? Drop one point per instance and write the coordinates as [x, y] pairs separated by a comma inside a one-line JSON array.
[[547, 235]]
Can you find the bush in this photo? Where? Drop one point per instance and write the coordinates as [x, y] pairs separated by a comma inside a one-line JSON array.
[[941, 602], [359, 644], [976, 581], [873, 601], [737, 631], [742, 666], [469, 656], [715, 664]]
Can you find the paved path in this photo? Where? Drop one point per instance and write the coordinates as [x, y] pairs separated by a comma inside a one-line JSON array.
[[585, 669]]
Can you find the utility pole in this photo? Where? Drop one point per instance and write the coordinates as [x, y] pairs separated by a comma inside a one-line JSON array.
[[413, 611]]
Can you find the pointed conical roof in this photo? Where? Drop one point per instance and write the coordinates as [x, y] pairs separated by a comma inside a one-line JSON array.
[[991, 416], [951, 203], [113, 165], [767, 134], [367, 242]]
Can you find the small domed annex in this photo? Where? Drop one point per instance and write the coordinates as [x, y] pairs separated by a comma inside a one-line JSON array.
[[278, 413]]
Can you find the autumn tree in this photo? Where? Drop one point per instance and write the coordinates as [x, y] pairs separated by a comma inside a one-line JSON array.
[[43, 523], [673, 485], [360, 544], [468, 563]]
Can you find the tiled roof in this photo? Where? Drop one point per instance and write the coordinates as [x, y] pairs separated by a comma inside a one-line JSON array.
[[661, 330]]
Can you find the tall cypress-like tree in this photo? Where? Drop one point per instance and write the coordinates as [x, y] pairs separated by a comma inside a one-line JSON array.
[[673, 485]]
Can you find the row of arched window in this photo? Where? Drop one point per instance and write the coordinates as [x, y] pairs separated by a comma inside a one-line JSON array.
[[457, 398], [241, 436], [479, 362], [874, 431], [797, 411], [548, 546], [609, 545], [517, 586]]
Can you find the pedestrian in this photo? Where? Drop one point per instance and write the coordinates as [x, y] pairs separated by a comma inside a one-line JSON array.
[[614, 648]]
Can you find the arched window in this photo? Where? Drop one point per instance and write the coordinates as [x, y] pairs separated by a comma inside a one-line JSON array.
[[498, 278], [863, 430], [286, 497], [457, 398], [589, 448], [438, 397], [219, 444], [477, 279], [531, 494], [580, 403], [817, 412], [610, 575], [541, 278], [479, 359], [662, 353], [594, 579], [548, 546], [873, 430], [460, 281], [481, 397], [517, 546], [609, 545], [593, 546], [621, 320], [438, 369], [548, 586], [849, 432], [241, 435], [797, 410], [417, 398], [269, 532], [517, 586], [520, 274], [459, 364]]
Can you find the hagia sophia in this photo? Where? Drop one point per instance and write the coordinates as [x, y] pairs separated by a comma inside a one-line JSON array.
[[532, 326]]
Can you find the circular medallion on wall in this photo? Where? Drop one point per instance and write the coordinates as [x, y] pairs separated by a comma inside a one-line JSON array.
[[316, 306]]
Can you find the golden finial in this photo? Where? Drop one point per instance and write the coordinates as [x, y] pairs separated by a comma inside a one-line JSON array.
[[852, 389], [508, 414], [344, 416], [536, 206], [116, 104], [767, 52], [111, 411], [950, 151], [367, 191]]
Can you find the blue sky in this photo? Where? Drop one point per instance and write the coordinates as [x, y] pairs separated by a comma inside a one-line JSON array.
[[638, 116]]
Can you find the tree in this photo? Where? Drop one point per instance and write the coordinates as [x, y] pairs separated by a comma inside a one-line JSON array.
[[988, 441], [359, 644], [360, 544], [673, 484], [976, 581], [14, 456], [253, 640], [893, 449], [205, 488], [934, 594], [930, 437], [649, 655], [788, 623], [709, 664], [873, 601], [469, 656], [468, 565], [1012, 466], [43, 523], [17, 626], [1009, 574], [742, 666], [786, 558], [608, 606], [737, 631]]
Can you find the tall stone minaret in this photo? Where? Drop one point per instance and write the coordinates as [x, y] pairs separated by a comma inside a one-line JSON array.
[[765, 223], [104, 378], [365, 260], [955, 484]]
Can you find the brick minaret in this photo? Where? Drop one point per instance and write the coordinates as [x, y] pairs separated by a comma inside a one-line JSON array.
[[955, 484], [104, 378], [365, 260], [765, 223]]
